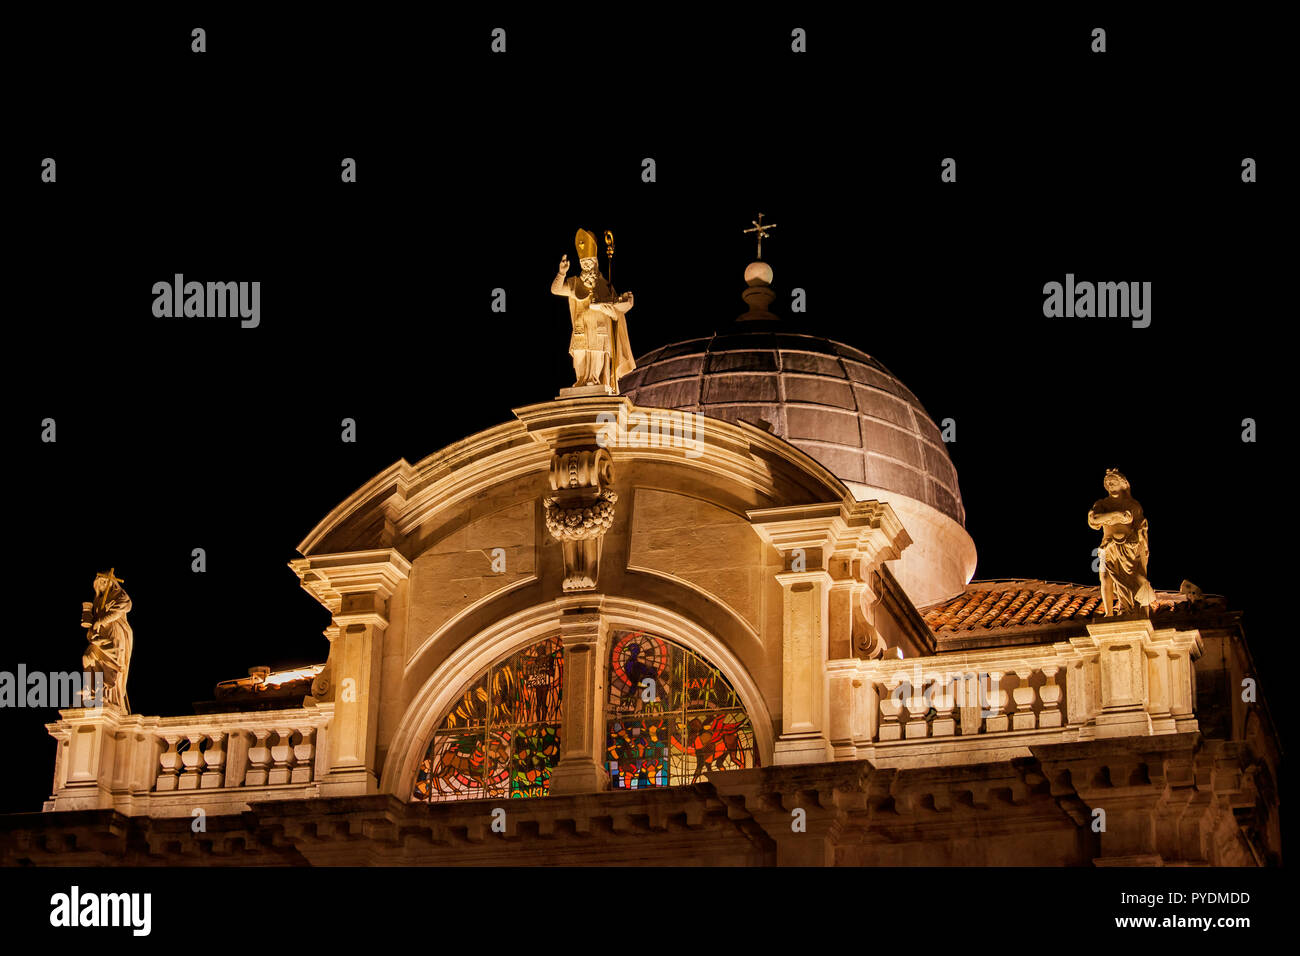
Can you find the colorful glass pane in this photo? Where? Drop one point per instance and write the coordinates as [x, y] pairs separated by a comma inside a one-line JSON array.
[[638, 752], [672, 717], [536, 751], [501, 737], [465, 766], [526, 688], [471, 710], [705, 687], [641, 678], [712, 741]]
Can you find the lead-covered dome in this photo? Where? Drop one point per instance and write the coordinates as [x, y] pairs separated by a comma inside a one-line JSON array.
[[838, 405], [832, 401]]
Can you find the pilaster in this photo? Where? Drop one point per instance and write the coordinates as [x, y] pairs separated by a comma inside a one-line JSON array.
[[581, 768], [828, 553], [356, 588]]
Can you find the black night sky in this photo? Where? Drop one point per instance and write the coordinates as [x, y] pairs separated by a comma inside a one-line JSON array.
[[474, 173]]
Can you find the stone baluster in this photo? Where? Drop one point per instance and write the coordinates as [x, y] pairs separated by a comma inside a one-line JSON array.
[[192, 761], [891, 705], [1024, 695], [169, 762], [259, 759], [214, 763], [917, 706], [995, 712], [282, 754], [1050, 695], [304, 753], [944, 701]]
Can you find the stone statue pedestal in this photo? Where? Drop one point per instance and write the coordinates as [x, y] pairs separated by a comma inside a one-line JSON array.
[[83, 764], [584, 391]]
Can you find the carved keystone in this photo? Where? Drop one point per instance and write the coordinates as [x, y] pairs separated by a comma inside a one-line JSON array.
[[580, 511]]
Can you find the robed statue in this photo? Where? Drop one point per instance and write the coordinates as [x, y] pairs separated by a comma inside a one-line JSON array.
[[109, 636], [1123, 551], [598, 344]]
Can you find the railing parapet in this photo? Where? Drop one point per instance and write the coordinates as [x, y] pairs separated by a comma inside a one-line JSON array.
[[159, 765]]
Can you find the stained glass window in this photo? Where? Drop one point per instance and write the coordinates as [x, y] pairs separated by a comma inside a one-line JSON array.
[[672, 718], [502, 737]]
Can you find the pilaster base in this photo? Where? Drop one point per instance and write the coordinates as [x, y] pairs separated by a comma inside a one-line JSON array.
[[578, 776], [84, 797], [1127, 723], [796, 750], [348, 783], [844, 751]]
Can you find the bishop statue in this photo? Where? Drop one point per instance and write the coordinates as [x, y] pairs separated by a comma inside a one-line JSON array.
[[598, 343]]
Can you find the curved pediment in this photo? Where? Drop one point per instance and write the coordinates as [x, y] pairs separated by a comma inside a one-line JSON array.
[[408, 506]]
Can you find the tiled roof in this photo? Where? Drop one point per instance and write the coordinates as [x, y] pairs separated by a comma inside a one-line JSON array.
[[1023, 603]]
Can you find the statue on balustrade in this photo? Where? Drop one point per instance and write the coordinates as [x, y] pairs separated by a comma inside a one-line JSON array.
[[109, 638], [1123, 551]]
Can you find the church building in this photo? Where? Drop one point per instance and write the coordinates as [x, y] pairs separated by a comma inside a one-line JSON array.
[[710, 605]]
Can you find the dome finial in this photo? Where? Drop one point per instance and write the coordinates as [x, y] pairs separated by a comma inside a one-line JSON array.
[[761, 228], [758, 294]]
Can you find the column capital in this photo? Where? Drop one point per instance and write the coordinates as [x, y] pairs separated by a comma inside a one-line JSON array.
[[861, 533], [354, 586], [1142, 630], [787, 579], [1134, 627], [582, 627]]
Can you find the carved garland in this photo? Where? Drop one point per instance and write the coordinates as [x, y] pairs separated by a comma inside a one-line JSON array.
[[576, 524]]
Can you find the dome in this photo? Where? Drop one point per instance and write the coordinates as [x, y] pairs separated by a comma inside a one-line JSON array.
[[830, 400]]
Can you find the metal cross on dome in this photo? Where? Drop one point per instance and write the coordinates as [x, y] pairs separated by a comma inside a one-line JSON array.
[[761, 228]]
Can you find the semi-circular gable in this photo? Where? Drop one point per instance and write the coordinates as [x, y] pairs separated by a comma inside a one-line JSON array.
[[740, 466]]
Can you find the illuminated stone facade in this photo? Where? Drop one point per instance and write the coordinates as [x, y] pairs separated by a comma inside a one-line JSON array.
[[663, 637]]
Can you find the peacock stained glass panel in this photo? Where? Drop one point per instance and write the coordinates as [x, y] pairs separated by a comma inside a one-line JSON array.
[[502, 737], [672, 717]]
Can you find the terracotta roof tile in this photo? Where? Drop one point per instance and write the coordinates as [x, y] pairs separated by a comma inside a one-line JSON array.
[[1025, 603]]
